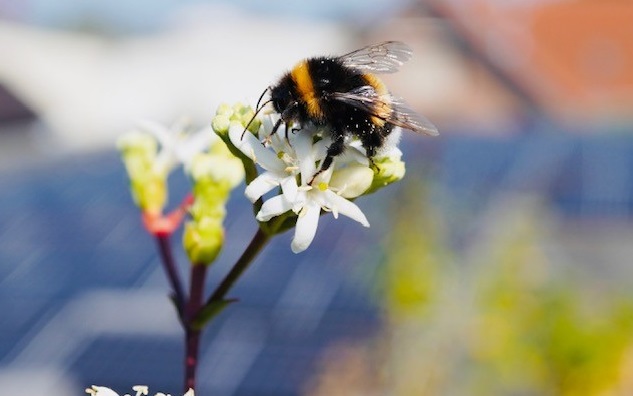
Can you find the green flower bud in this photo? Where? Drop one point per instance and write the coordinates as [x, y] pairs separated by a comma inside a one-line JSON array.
[[137, 144], [221, 167], [138, 151], [137, 141], [210, 198], [239, 107], [224, 109], [148, 186], [203, 240], [387, 170], [220, 124], [214, 175], [149, 193], [244, 115]]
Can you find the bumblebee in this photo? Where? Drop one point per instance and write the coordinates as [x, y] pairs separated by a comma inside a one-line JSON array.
[[344, 94]]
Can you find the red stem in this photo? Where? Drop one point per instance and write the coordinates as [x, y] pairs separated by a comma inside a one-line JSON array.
[[169, 264], [192, 335]]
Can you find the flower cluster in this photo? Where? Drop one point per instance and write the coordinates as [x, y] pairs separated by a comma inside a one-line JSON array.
[[284, 181], [214, 174], [290, 159], [152, 151], [141, 390]]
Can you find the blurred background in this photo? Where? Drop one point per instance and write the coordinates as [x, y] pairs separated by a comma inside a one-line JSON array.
[[500, 265]]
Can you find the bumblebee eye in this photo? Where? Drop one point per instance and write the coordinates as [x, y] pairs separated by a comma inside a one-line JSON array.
[[281, 100], [279, 105]]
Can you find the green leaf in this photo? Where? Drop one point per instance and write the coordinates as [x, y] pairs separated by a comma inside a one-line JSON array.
[[209, 312]]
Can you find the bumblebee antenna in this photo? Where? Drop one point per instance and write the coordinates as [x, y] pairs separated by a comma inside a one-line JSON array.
[[261, 97], [253, 117], [257, 110]]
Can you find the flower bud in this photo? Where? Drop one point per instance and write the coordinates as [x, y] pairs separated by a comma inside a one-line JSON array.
[[149, 193], [220, 124], [225, 109], [203, 240], [138, 144], [148, 186], [387, 170]]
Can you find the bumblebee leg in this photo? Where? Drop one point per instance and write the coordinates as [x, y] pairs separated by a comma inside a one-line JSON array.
[[370, 143], [276, 127], [336, 148], [287, 114]]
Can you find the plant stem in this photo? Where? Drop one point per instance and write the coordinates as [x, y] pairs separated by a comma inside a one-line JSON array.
[[169, 264], [195, 306], [257, 244], [192, 334]]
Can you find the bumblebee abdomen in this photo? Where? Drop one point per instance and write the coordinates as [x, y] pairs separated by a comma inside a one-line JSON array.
[[381, 109]]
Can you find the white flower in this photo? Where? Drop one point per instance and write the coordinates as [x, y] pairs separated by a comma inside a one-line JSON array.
[[140, 390], [279, 160], [285, 161], [100, 391], [177, 145], [307, 206]]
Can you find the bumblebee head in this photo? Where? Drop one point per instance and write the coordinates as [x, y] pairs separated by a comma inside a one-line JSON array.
[[283, 98]]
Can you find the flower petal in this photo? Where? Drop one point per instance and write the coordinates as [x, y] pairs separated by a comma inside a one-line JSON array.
[[306, 227], [164, 136], [289, 188], [254, 149], [273, 207], [261, 185], [352, 181], [305, 155], [355, 153], [320, 147], [338, 204], [195, 143], [268, 123]]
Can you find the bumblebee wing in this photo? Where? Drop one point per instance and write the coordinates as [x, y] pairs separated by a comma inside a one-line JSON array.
[[385, 57], [405, 117], [388, 108]]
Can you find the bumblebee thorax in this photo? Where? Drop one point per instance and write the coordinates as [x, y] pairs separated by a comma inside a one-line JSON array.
[[302, 78]]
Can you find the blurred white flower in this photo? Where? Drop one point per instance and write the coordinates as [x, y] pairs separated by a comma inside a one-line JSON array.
[[141, 390], [178, 145], [100, 391]]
